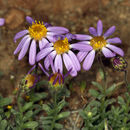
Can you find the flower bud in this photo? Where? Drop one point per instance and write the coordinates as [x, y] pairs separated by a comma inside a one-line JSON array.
[[119, 63]]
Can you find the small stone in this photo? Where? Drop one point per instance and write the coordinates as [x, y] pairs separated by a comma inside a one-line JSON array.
[[14, 18]]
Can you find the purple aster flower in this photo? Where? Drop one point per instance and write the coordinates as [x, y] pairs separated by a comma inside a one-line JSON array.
[[37, 33], [99, 42], [56, 79], [61, 51], [2, 21]]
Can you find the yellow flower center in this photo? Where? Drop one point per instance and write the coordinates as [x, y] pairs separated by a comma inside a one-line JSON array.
[[37, 30], [9, 107], [98, 42], [61, 46], [30, 80], [52, 79]]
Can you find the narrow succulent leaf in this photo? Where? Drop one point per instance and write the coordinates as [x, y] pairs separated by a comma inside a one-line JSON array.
[[27, 106], [30, 125], [63, 115]]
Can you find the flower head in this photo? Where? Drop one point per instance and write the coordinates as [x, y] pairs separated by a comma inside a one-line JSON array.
[[56, 79], [119, 63], [99, 42], [30, 79], [38, 33], [2, 21], [61, 49]]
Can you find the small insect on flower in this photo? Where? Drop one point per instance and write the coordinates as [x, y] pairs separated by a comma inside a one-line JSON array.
[[38, 33], [119, 63], [98, 42], [2, 21], [61, 50], [56, 79]]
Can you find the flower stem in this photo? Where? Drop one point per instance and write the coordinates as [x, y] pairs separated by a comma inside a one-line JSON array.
[[20, 109], [55, 112]]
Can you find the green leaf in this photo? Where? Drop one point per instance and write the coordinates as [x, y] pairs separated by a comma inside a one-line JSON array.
[[38, 96], [58, 126], [101, 73], [83, 114], [27, 115], [43, 82], [63, 115], [61, 104], [121, 100], [5, 101], [46, 118], [94, 103], [109, 102], [46, 108], [27, 106], [94, 93], [82, 86], [30, 124], [110, 89], [99, 86], [46, 122], [3, 125]]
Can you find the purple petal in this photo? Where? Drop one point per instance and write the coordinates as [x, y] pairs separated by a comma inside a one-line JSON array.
[[20, 34], [43, 53], [83, 42], [31, 69], [43, 69], [2, 21], [47, 24], [89, 60], [21, 44], [81, 47], [30, 19], [109, 31], [24, 49], [47, 62], [48, 45], [32, 53], [92, 31], [81, 55], [74, 60], [82, 37], [116, 49], [67, 73], [114, 40], [51, 38], [51, 62], [51, 33], [54, 82], [107, 53], [69, 65], [70, 36], [99, 28], [42, 43], [58, 63], [58, 29]]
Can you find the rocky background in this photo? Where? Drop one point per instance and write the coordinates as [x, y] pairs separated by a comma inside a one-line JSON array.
[[77, 15]]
